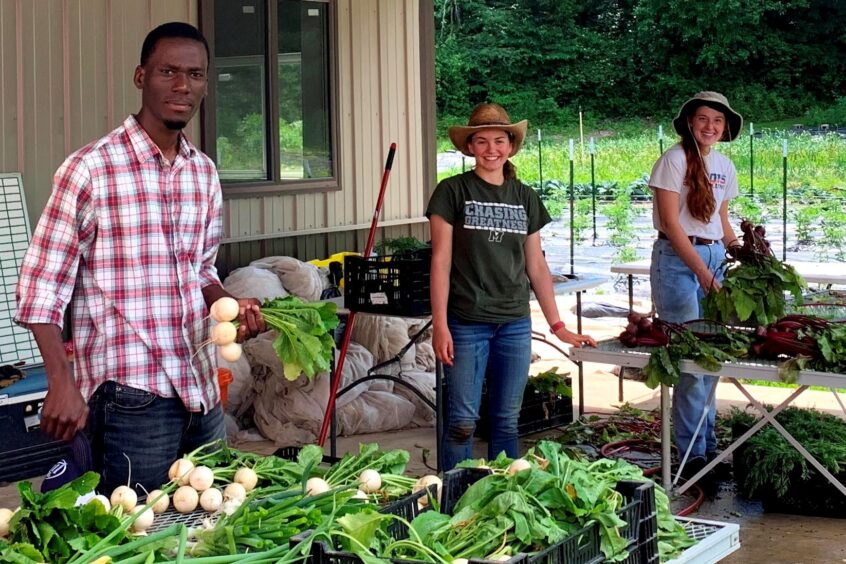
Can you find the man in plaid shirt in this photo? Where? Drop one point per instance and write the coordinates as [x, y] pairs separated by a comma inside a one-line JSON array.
[[128, 239]]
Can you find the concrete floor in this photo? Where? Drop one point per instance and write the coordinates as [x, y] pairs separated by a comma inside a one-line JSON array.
[[765, 538]]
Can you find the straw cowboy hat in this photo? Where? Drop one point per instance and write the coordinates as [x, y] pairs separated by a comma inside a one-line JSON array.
[[715, 100], [488, 116]]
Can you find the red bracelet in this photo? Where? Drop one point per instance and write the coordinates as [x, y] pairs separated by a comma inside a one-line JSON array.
[[556, 326]]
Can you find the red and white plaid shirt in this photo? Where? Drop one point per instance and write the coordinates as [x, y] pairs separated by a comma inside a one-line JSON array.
[[130, 240]]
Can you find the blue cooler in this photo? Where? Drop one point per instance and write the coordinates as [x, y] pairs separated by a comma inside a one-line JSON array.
[[25, 451]]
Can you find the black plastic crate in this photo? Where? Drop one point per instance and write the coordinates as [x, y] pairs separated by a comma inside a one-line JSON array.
[[639, 513], [582, 547], [641, 516], [291, 452], [540, 411], [455, 483], [408, 508], [389, 285]]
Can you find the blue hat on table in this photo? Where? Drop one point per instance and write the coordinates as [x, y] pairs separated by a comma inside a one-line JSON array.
[[77, 462]]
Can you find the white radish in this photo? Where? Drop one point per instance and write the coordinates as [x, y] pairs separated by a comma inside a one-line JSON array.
[[518, 465], [144, 520], [460, 561], [160, 504], [369, 481], [5, 518], [223, 333], [361, 495], [185, 499], [234, 492], [225, 309], [103, 500], [423, 484], [316, 486], [230, 506], [201, 478], [211, 500], [230, 352], [247, 478], [125, 497], [180, 470]]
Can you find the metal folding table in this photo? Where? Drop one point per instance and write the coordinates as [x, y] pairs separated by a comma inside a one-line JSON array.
[[812, 272], [613, 352]]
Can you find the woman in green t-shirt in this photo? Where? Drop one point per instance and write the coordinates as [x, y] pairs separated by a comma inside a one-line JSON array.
[[486, 252]]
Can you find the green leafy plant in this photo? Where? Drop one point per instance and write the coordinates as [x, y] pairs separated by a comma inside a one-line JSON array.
[[551, 382], [755, 283], [401, 246], [774, 467], [305, 334], [754, 293], [706, 350]]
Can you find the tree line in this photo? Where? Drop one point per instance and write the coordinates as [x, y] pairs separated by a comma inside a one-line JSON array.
[[544, 59]]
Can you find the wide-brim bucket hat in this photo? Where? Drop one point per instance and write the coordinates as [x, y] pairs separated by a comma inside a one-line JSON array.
[[488, 116], [715, 100]]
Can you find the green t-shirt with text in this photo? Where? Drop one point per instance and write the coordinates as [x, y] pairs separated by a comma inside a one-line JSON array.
[[488, 280]]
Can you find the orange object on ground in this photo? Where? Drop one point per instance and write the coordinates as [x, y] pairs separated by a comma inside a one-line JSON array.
[[224, 378]]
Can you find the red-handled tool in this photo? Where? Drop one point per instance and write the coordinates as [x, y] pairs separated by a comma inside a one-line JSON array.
[[345, 342]]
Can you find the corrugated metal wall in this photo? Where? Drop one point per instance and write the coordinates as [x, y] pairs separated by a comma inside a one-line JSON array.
[[66, 79], [380, 101]]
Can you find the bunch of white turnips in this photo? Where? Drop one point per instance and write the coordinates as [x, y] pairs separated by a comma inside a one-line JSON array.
[[225, 310], [195, 489]]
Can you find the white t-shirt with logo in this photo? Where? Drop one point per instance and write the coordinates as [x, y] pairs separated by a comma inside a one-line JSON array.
[[668, 174]]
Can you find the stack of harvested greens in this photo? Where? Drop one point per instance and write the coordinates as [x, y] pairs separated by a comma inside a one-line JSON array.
[[755, 283]]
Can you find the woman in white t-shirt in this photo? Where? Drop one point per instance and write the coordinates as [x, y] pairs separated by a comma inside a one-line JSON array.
[[692, 185]]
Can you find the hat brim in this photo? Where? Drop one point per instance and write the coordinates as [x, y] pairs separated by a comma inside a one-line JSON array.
[[459, 134], [733, 119]]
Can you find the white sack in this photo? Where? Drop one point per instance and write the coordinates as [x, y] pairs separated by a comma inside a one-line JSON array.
[[425, 358], [372, 412], [424, 416], [358, 361], [254, 282], [383, 336], [299, 278]]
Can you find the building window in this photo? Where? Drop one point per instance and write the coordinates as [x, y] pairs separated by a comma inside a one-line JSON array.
[[269, 117]]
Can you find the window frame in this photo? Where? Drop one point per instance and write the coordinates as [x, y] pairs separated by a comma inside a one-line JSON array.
[[276, 185]]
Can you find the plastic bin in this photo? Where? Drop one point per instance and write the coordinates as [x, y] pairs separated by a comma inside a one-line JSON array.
[[639, 513], [389, 285], [540, 411], [407, 508], [291, 452], [641, 516], [26, 450]]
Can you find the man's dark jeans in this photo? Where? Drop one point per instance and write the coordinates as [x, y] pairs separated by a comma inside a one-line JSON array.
[[151, 431]]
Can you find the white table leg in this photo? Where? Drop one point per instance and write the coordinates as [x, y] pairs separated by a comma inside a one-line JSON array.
[[666, 439], [712, 394]]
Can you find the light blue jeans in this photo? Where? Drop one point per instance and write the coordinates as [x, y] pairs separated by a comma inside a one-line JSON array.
[[676, 294], [500, 352]]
